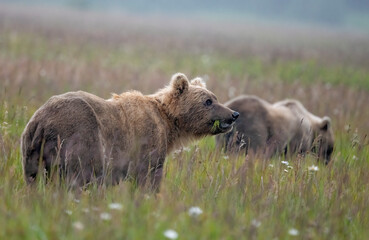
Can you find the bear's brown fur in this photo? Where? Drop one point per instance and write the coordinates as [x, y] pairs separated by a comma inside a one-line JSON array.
[[86, 138], [282, 127]]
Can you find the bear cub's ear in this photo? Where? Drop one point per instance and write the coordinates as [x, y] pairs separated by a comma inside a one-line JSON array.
[[325, 124], [198, 82], [179, 83]]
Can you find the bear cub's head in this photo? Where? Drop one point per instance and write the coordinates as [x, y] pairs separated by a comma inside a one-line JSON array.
[[195, 109], [324, 140]]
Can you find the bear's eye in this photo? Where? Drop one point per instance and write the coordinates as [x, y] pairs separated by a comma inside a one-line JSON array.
[[208, 102]]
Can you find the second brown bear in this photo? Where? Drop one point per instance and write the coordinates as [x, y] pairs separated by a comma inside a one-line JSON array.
[[282, 127]]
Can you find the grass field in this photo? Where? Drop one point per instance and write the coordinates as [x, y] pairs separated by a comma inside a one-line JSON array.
[[43, 53]]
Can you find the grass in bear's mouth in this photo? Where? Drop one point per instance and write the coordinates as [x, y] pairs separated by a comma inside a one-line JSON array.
[[216, 125]]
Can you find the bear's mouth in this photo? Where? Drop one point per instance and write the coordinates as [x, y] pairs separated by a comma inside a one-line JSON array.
[[225, 125], [219, 126]]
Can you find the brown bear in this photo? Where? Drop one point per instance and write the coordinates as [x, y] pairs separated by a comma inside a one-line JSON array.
[[282, 127], [88, 139]]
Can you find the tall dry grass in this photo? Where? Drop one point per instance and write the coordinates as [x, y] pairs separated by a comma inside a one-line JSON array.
[[44, 52]]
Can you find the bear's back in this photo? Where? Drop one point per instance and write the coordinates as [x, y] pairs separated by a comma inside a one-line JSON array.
[[252, 126], [65, 114], [251, 108], [304, 122], [296, 109]]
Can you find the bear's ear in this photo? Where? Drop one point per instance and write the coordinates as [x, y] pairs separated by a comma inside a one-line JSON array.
[[198, 82], [325, 124], [179, 83]]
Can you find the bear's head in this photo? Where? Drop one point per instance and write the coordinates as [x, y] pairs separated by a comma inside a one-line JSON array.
[[324, 140], [195, 110]]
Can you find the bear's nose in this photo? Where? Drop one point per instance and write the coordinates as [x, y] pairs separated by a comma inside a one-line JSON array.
[[235, 115]]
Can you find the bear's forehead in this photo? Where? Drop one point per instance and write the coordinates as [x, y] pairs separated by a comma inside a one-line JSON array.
[[200, 91]]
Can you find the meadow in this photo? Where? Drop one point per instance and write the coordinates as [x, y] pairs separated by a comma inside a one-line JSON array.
[[44, 52]]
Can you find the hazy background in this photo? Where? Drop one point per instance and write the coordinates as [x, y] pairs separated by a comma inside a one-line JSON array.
[[333, 13]]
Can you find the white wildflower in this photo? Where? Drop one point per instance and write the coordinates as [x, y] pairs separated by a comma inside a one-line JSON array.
[[289, 167], [105, 216], [68, 212], [271, 165], [285, 170], [313, 168], [178, 151], [78, 225], [86, 210], [194, 211], [255, 223], [293, 232], [285, 163], [115, 206], [171, 234], [186, 149], [96, 209], [225, 157]]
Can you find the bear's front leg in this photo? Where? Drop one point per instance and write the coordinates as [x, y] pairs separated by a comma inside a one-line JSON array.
[[155, 178], [150, 177]]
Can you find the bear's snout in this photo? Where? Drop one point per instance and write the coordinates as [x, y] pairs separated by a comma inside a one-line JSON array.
[[230, 119], [233, 118], [235, 115]]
